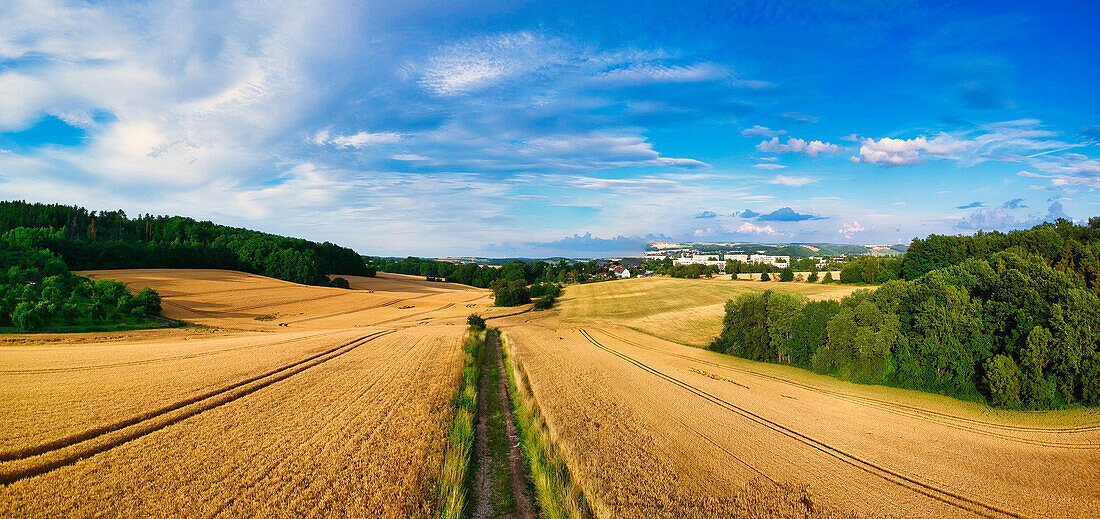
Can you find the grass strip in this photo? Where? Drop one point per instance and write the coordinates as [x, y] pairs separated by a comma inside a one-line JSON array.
[[455, 476], [558, 494]]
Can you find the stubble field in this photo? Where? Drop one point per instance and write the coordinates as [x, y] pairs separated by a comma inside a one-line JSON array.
[[289, 401]]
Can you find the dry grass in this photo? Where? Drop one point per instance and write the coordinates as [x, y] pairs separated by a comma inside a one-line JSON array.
[[687, 311], [300, 401], [655, 429]]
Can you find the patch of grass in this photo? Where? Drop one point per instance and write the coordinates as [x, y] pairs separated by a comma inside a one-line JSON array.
[[504, 502], [451, 493], [558, 494]]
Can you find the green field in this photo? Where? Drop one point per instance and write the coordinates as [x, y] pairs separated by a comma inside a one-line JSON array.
[[687, 311]]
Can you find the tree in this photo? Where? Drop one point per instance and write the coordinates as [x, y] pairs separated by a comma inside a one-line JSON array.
[[786, 274], [510, 293], [765, 277], [813, 277], [828, 278], [340, 283], [476, 321], [32, 316], [1002, 380]]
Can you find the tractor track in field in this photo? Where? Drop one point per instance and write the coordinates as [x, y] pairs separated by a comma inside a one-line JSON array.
[[84, 444], [968, 424], [94, 367], [946, 496]]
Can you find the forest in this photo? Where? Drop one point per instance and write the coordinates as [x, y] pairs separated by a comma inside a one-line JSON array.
[[1013, 319], [483, 276], [88, 240], [38, 292]]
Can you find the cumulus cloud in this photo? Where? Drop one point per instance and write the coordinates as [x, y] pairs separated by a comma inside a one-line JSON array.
[[1015, 141], [1015, 203], [793, 181], [747, 213], [751, 228], [999, 219], [761, 131], [849, 230], [970, 205], [786, 214], [905, 152], [810, 149]]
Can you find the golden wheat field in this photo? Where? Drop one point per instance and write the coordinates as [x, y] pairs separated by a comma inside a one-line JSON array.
[[688, 311], [652, 428], [288, 401]]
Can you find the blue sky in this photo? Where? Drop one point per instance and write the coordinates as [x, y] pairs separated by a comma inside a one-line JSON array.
[[575, 128]]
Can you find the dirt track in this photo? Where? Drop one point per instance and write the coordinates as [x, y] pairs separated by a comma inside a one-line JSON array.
[[654, 428]]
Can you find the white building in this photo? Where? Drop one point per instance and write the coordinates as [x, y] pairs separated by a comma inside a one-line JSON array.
[[778, 261], [620, 272], [701, 259]]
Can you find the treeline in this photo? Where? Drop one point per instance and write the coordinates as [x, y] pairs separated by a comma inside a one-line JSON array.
[[482, 276], [37, 291], [110, 240], [1010, 327], [1064, 246]]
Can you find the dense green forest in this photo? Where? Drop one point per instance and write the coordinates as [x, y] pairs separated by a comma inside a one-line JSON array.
[[1012, 318], [109, 239], [38, 292]]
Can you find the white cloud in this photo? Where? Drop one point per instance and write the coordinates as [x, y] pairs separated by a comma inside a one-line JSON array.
[[600, 150], [849, 230], [761, 131], [810, 149], [905, 152], [799, 117], [749, 227], [769, 165], [646, 73], [358, 140], [1002, 141], [793, 181]]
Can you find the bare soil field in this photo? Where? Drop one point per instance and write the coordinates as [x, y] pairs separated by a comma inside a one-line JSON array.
[[289, 401], [652, 428], [687, 311]]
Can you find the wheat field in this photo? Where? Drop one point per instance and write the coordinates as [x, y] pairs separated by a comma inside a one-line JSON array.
[[687, 311], [287, 401], [652, 428]]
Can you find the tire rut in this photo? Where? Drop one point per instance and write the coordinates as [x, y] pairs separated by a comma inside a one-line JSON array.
[[943, 495]]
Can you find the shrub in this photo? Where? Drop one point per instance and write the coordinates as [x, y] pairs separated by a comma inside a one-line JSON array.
[[476, 321], [813, 277], [544, 302], [765, 277], [510, 293], [786, 274], [828, 278], [340, 283]]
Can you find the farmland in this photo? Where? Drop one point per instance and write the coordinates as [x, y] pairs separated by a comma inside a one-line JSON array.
[[688, 311], [293, 400], [652, 428], [286, 400]]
